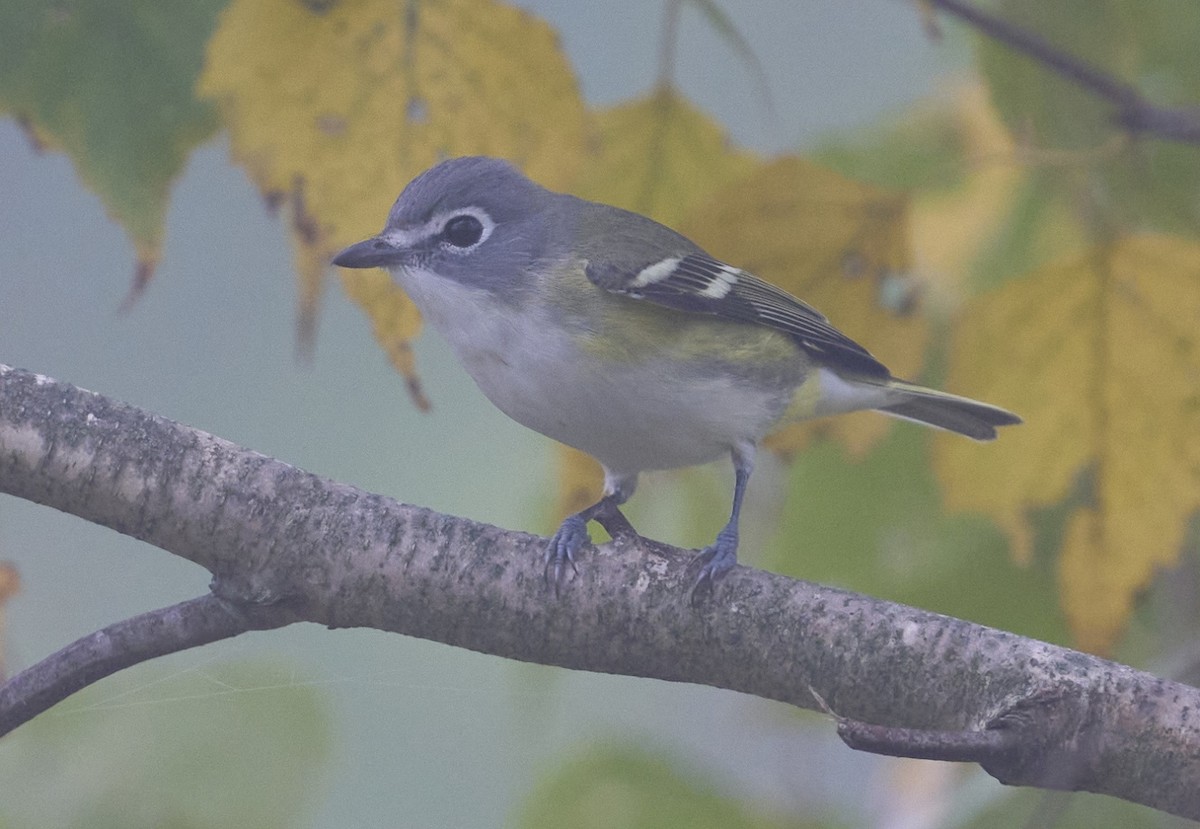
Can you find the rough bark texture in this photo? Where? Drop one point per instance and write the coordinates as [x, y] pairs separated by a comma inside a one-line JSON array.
[[284, 545]]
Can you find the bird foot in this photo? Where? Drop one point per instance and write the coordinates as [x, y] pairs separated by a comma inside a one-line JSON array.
[[571, 536], [715, 560]]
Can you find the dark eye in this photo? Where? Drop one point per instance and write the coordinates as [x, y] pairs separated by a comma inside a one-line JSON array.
[[462, 231]]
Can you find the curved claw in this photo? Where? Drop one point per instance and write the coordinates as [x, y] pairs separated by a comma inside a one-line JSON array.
[[571, 536], [716, 561]]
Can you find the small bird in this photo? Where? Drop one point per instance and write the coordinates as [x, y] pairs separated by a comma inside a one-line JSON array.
[[611, 333]]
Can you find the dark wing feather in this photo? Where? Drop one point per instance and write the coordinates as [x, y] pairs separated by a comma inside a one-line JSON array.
[[701, 284]]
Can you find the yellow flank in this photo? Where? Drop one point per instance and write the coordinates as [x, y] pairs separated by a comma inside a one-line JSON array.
[[804, 401]]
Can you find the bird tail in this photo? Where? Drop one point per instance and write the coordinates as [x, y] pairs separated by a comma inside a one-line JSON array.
[[946, 411]]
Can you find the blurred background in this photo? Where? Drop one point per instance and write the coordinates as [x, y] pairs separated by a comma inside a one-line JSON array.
[[173, 182]]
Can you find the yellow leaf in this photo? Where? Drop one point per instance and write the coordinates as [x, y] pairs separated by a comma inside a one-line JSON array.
[[10, 585], [10, 582], [1008, 214], [839, 245], [1100, 355], [394, 320], [661, 157], [1093, 595], [334, 108], [952, 228]]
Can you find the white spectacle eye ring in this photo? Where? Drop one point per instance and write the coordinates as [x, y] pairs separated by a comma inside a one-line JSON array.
[[461, 231]]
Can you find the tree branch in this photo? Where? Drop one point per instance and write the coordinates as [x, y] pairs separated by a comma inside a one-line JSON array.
[[1134, 112], [159, 632], [284, 545]]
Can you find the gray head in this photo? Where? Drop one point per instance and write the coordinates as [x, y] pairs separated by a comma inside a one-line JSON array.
[[476, 220]]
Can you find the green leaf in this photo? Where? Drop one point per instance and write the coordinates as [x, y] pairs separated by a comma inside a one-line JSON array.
[[877, 527], [620, 787], [1148, 44], [1168, 70], [111, 84], [231, 745], [1035, 229], [1063, 810], [1039, 103], [923, 149]]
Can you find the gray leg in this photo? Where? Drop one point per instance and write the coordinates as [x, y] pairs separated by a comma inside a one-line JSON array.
[[719, 557]]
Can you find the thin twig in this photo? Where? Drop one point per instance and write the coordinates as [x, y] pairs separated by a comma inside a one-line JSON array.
[[185, 625], [1134, 112]]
